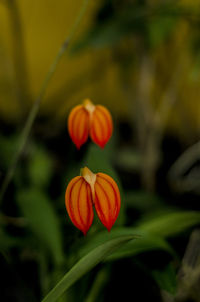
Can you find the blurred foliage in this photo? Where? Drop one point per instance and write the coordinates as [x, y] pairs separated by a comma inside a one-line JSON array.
[[153, 22], [166, 279], [140, 59], [8, 148], [37, 209], [40, 168]]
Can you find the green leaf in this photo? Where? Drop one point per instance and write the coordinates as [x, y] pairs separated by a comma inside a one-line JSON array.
[[40, 167], [84, 265], [43, 221], [151, 234], [147, 243], [170, 224], [104, 236]]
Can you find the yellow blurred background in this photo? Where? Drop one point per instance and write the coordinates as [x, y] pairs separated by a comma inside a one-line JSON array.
[[35, 30]]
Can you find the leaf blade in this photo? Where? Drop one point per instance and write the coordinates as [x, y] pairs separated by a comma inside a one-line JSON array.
[[84, 265], [42, 219], [170, 224]]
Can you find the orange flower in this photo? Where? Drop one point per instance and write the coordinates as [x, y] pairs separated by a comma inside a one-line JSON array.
[[91, 189], [90, 120]]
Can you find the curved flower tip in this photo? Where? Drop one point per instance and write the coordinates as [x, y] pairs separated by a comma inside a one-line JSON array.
[[91, 189], [90, 120]]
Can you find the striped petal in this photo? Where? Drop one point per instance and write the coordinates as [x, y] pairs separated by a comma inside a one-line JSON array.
[[78, 201], [78, 125], [101, 126], [107, 199]]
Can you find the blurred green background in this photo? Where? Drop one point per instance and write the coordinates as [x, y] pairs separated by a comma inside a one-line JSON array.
[[140, 59]]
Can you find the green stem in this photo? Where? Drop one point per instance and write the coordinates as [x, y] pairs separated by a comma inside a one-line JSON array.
[[97, 286], [33, 113], [19, 55]]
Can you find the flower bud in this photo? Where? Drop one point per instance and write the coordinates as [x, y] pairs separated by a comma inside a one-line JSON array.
[[88, 189], [88, 119]]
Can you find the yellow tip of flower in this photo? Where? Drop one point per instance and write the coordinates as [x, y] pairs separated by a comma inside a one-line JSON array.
[[88, 105], [89, 177]]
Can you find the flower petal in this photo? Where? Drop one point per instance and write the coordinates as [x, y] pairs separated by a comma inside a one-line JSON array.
[[78, 125], [101, 126], [78, 201], [107, 199]]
